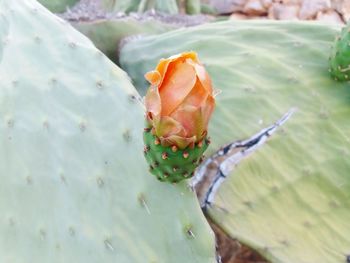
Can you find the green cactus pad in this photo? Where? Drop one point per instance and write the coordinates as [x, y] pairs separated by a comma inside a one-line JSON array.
[[340, 57], [108, 31], [127, 6], [170, 164], [193, 7], [172, 7], [57, 6], [107, 34], [290, 199], [74, 184]]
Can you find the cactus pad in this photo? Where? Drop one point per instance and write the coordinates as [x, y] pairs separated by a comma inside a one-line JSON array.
[[127, 6], [107, 30], [108, 33], [289, 199], [340, 57], [74, 185], [170, 163], [57, 6]]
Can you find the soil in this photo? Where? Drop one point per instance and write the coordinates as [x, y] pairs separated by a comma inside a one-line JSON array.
[[232, 251]]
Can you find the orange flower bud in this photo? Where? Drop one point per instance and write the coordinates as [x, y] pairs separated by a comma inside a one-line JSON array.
[[180, 101]]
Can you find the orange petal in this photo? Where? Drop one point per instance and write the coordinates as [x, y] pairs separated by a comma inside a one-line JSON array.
[[195, 120], [162, 67], [190, 54], [153, 77], [203, 76], [152, 102], [175, 88], [197, 96], [191, 120], [207, 111], [164, 64], [166, 126]]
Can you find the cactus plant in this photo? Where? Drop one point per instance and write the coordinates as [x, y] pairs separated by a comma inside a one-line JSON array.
[[108, 33], [107, 30], [169, 6], [74, 182], [193, 7], [290, 199], [340, 57], [127, 6], [57, 6]]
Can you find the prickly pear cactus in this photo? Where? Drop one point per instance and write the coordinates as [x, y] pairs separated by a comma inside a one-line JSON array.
[[289, 199], [193, 6], [108, 30], [169, 6], [170, 164], [74, 182], [57, 6], [107, 34], [340, 57], [127, 6]]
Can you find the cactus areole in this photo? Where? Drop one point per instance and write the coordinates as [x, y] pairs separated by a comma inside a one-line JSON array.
[[179, 104]]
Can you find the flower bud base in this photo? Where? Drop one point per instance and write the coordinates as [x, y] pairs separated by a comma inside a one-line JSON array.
[[170, 164]]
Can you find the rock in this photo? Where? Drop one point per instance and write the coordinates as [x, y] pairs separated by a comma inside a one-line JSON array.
[[346, 10], [330, 16], [337, 5], [238, 16], [228, 6], [254, 8], [257, 17], [290, 2], [343, 7], [266, 3], [284, 12], [310, 8]]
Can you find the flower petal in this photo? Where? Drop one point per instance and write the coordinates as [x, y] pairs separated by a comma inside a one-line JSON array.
[[191, 119], [162, 67], [203, 76], [167, 126], [164, 64], [176, 87], [207, 111], [180, 100], [190, 54], [195, 120], [197, 96], [153, 77], [152, 102]]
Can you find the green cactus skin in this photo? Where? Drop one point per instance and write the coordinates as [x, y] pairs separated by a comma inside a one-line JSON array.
[[340, 57], [107, 34], [127, 6], [170, 164], [193, 7], [74, 184], [169, 7], [290, 200], [172, 7], [57, 6], [207, 9]]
